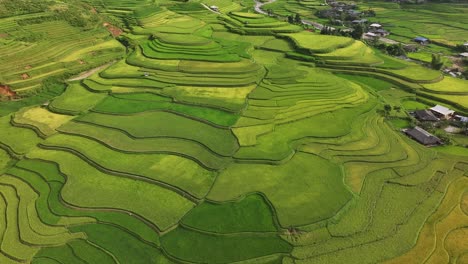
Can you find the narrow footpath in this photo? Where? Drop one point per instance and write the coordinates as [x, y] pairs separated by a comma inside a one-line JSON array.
[[258, 9], [88, 73]]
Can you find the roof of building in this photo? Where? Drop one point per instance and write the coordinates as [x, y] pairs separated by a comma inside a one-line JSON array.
[[359, 21], [375, 25], [381, 31], [422, 136], [370, 34], [464, 54], [425, 115], [442, 110], [213, 7], [422, 39], [464, 119]]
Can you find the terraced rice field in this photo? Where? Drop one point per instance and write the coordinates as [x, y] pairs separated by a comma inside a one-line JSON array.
[[224, 138]]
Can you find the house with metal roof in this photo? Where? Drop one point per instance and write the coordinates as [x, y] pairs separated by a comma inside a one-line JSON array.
[[425, 115], [461, 118], [421, 40], [422, 136], [442, 112]]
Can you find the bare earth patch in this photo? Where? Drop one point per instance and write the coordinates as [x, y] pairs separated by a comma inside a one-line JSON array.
[[115, 31], [6, 91], [452, 129]]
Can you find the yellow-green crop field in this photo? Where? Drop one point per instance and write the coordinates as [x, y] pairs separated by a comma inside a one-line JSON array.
[[198, 136]]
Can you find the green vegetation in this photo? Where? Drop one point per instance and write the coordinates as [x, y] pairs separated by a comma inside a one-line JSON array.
[[188, 135], [251, 214], [197, 246]]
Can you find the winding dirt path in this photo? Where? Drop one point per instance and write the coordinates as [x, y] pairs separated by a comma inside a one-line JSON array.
[[86, 74], [258, 9], [258, 6]]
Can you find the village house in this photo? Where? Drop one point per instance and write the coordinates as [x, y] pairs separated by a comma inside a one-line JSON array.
[[214, 8], [422, 136], [464, 55], [421, 40], [381, 32], [462, 119], [442, 112], [359, 21], [425, 115], [370, 35], [375, 26]]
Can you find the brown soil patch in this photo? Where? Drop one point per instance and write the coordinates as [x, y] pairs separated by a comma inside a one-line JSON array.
[[6, 91], [3, 35], [28, 67], [81, 62], [115, 31], [25, 76]]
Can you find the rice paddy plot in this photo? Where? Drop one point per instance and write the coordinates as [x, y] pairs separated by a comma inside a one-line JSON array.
[[155, 124], [173, 170], [136, 103], [316, 43], [249, 214], [190, 245], [157, 205], [75, 100], [315, 182]]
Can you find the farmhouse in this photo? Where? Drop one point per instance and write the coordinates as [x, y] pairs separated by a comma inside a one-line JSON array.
[[464, 55], [214, 8], [375, 26], [381, 32], [421, 40], [425, 115], [442, 112], [359, 21], [370, 35], [462, 119], [422, 136]]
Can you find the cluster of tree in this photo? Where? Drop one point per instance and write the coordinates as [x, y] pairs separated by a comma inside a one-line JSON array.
[[461, 48], [30, 37], [295, 19], [36, 20], [76, 14], [129, 43], [355, 33], [79, 16], [368, 13], [17, 7], [436, 62], [392, 49]]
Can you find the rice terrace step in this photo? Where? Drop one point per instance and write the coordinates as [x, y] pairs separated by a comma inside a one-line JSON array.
[[233, 131]]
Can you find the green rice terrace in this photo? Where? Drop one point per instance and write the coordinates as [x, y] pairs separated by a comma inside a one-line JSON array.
[[141, 131]]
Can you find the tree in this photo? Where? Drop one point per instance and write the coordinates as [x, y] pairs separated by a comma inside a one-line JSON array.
[[357, 32], [464, 128], [397, 109], [290, 19], [445, 137], [324, 30], [297, 19], [387, 109], [436, 62]]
